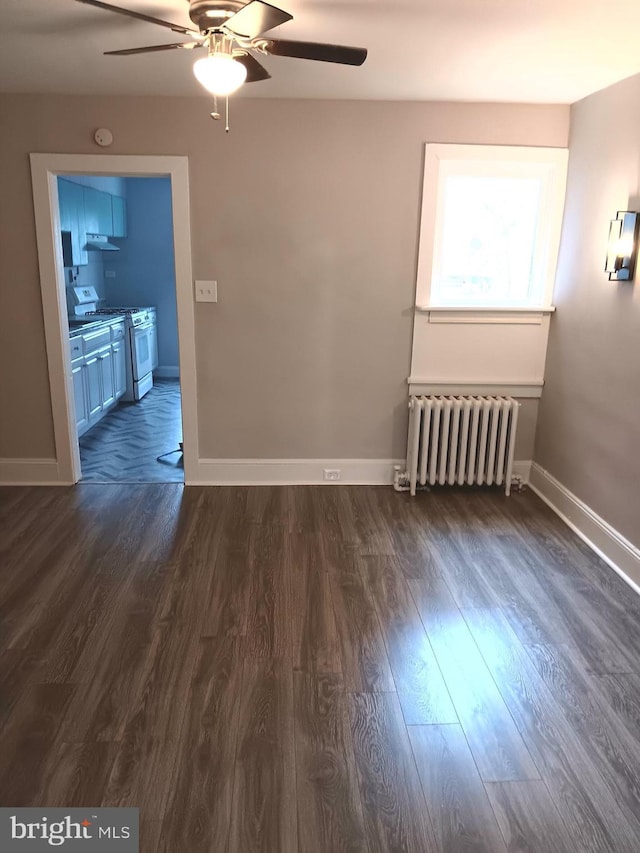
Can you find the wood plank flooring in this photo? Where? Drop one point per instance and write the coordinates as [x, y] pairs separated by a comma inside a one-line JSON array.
[[318, 670]]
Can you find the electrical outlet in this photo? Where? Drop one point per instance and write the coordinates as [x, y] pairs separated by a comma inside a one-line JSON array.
[[332, 474], [206, 291]]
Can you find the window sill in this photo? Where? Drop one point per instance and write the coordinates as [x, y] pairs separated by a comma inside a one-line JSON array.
[[470, 309], [518, 388], [479, 314]]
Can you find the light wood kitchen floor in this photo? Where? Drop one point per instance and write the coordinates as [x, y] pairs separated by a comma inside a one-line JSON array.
[[318, 669]]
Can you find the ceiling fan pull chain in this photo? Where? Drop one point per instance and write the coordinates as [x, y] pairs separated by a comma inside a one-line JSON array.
[[215, 114], [227, 111]]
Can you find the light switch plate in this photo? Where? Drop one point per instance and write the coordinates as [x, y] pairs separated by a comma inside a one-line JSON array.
[[206, 291]]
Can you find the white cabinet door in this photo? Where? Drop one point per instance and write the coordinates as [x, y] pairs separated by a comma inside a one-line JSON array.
[[72, 220], [94, 389], [119, 375], [80, 397], [97, 212], [107, 392]]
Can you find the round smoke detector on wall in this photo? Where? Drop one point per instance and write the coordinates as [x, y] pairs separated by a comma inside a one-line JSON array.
[[103, 137]]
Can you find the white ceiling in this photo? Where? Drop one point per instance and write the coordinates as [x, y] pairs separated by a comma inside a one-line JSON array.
[[546, 51]]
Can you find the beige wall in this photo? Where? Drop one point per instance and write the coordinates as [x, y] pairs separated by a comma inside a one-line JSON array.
[[307, 215], [589, 426]]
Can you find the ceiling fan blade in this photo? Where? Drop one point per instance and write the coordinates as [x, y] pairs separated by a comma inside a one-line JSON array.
[[177, 28], [255, 71], [255, 18], [342, 54], [153, 48]]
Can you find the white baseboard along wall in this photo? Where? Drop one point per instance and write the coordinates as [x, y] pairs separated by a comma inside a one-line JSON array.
[[245, 472], [295, 472], [599, 535], [30, 472], [167, 372]]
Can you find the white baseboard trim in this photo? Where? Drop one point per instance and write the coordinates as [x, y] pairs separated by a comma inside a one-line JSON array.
[[599, 535], [167, 372], [243, 472], [299, 472], [307, 472], [31, 472]]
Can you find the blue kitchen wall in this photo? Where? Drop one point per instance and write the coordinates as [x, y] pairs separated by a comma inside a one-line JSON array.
[[91, 275], [143, 270]]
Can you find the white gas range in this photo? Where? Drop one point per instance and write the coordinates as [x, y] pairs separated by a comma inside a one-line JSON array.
[[142, 346], [141, 340]]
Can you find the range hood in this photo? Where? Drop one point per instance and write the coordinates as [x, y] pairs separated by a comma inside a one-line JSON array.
[[98, 243]]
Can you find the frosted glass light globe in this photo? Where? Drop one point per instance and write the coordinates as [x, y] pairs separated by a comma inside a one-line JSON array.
[[220, 74]]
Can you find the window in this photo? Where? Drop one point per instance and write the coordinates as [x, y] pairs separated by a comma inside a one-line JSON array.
[[491, 219]]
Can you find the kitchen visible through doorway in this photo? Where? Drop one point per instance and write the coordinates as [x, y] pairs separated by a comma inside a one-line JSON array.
[[117, 241]]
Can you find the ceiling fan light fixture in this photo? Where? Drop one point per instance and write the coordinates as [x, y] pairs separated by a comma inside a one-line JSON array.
[[220, 74]]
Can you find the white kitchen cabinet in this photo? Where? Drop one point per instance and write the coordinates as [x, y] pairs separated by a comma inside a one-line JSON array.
[[97, 212], [96, 340], [78, 372], [119, 374], [94, 387], [107, 392], [104, 213], [98, 371], [85, 210], [72, 223]]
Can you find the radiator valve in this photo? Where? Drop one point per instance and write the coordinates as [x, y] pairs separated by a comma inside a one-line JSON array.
[[400, 479], [517, 483]]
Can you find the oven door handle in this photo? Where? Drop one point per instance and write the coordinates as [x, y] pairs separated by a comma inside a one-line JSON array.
[[143, 327]]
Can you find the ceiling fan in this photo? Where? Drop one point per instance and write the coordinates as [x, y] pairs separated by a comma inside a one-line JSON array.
[[232, 31]]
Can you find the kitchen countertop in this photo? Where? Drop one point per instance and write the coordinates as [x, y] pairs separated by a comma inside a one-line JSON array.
[[79, 327]]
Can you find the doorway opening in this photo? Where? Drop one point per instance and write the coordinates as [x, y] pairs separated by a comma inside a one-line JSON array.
[[115, 269], [119, 266]]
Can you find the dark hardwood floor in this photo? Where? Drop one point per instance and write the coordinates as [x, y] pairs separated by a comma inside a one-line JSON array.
[[318, 670]]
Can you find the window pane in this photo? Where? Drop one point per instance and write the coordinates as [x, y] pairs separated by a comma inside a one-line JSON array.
[[488, 238]]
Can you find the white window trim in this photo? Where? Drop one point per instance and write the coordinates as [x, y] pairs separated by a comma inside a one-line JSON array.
[[552, 165]]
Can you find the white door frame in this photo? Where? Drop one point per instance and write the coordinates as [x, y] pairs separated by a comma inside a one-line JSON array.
[[45, 169]]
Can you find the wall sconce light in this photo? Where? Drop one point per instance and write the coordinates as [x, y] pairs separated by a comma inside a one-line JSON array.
[[622, 250]]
